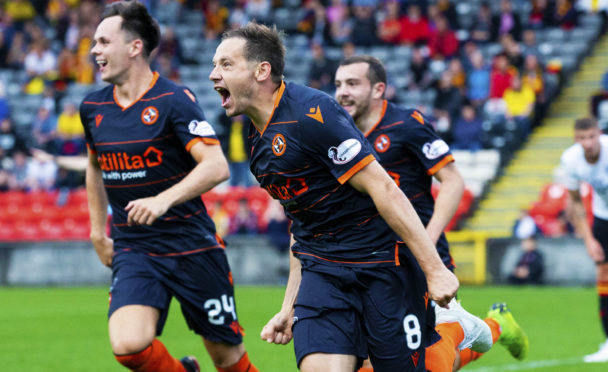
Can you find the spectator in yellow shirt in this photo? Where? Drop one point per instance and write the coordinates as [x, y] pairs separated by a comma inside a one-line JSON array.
[[70, 131], [520, 100]]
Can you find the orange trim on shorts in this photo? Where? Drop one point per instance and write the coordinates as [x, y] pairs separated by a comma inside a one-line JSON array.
[[174, 254], [337, 261], [397, 263]]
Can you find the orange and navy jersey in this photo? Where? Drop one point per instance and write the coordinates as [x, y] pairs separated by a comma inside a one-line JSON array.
[[305, 155], [143, 149], [411, 152]]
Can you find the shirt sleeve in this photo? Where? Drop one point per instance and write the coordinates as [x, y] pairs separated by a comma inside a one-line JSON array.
[[328, 133], [189, 122], [422, 140], [569, 178], [84, 119]]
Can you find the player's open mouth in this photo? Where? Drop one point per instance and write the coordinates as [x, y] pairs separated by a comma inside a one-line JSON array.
[[225, 94], [102, 63], [346, 104]]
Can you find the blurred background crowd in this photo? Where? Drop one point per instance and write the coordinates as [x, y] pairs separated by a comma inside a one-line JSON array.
[[484, 72]]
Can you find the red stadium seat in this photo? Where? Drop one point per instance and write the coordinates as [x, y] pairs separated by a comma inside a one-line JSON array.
[[7, 231], [16, 197], [27, 231], [43, 197], [76, 230], [12, 212], [50, 229], [34, 211], [78, 196]]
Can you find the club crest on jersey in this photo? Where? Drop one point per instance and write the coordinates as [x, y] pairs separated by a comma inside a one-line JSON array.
[[201, 128], [149, 115], [98, 120], [344, 152], [433, 150], [278, 144], [382, 143]]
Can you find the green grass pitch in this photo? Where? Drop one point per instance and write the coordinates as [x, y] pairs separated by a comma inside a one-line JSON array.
[[65, 329]]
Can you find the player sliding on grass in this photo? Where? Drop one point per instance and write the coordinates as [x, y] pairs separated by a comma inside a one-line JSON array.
[[587, 161], [150, 155], [412, 153]]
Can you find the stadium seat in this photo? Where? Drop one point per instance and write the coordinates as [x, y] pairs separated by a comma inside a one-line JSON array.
[[26, 231], [78, 196], [7, 231], [50, 230], [76, 230]]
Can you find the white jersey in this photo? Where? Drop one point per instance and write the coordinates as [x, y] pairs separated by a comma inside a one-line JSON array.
[[577, 169]]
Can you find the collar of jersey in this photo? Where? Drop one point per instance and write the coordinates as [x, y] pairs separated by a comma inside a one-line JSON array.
[[276, 103], [382, 113], [154, 79]]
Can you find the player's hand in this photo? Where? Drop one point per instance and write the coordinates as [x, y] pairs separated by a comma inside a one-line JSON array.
[[278, 329], [594, 248], [145, 211], [443, 285], [104, 246]]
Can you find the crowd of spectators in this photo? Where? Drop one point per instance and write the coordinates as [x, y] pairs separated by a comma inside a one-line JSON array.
[[45, 50], [510, 81]]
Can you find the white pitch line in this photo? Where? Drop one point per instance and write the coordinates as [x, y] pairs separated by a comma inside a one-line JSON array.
[[527, 365]]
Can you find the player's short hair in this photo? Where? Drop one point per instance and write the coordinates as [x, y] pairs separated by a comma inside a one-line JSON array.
[[262, 44], [136, 21], [585, 123], [376, 72]]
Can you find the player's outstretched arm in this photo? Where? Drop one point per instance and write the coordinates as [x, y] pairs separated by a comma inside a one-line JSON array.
[[402, 218], [98, 211], [578, 218], [448, 198], [212, 168], [278, 329]]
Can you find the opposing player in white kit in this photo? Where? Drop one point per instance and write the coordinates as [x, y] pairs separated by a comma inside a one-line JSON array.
[[587, 161]]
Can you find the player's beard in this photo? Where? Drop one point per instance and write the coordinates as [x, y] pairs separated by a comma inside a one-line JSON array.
[[361, 107]]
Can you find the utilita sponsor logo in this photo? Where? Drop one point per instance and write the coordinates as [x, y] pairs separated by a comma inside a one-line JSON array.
[[121, 161]]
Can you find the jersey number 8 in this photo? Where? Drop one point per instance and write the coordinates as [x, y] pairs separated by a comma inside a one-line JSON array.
[[413, 334]]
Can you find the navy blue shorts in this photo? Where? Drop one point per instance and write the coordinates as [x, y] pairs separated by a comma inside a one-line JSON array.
[[383, 312], [201, 282]]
